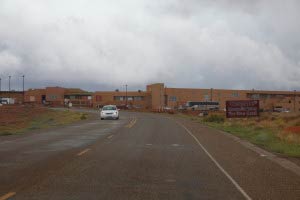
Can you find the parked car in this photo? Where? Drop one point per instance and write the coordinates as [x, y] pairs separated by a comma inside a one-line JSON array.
[[109, 112], [280, 109]]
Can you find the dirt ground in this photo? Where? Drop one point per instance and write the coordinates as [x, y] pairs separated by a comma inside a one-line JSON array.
[[19, 114], [17, 119]]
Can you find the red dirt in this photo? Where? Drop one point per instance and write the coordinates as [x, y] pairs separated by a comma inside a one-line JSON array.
[[19, 114], [292, 129]]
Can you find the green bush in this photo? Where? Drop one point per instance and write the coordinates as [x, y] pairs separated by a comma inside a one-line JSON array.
[[214, 118]]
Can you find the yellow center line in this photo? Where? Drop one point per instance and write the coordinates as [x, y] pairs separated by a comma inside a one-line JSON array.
[[81, 153], [131, 123], [8, 195]]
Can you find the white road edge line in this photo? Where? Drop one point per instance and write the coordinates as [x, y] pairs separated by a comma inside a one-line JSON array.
[[240, 189], [83, 152], [110, 136], [7, 196]]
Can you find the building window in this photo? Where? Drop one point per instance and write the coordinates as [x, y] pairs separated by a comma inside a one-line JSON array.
[[129, 98], [98, 98], [206, 97], [254, 96], [138, 98], [172, 98], [32, 98], [119, 98], [235, 94], [53, 97], [279, 96]]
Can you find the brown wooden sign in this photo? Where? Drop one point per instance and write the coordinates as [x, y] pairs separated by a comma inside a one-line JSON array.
[[242, 108]]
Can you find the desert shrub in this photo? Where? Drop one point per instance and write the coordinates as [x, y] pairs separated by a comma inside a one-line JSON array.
[[289, 137], [83, 117], [280, 123], [227, 123], [267, 124], [214, 118], [297, 123], [291, 117], [5, 133]]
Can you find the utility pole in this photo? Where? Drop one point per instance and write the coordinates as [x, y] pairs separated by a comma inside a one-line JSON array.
[[9, 77], [23, 82], [126, 95], [294, 100], [211, 93], [0, 91], [9, 88], [23, 88]]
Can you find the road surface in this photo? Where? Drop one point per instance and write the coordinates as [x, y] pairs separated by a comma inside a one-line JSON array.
[[141, 156]]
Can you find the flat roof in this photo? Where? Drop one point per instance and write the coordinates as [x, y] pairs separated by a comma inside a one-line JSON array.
[[248, 91]]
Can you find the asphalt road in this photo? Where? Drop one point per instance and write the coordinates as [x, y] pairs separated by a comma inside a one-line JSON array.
[[140, 156]]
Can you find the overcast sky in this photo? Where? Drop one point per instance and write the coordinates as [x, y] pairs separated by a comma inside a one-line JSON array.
[[103, 45]]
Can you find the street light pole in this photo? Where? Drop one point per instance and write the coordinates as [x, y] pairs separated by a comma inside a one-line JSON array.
[[126, 96], [23, 83], [0, 84], [9, 88], [23, 88], [294, 100], [9, 83]]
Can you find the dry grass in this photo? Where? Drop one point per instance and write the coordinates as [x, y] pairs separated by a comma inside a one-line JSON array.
[[277, 132], [277, 122], [290, 137]]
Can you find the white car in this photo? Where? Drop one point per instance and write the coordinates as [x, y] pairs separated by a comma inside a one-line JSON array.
[[109, 112]]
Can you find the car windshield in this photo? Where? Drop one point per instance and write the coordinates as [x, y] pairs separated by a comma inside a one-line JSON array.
[[109, 108]]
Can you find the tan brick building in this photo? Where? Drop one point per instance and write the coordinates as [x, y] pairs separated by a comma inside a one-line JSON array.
[[290, 100], [58, 96], [157, 96], [35, 96], [138, 99], [12, 97]]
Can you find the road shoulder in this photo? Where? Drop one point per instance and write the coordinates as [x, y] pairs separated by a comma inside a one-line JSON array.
[[248, 164]]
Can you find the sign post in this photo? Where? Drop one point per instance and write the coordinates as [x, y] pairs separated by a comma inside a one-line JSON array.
[[242, 108]]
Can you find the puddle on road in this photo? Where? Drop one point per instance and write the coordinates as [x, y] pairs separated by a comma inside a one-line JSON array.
[[177, 145], [92, 123], [68, 144], [39, 151], [170, 180]]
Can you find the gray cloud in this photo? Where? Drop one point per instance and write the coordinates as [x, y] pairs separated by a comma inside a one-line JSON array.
[[103, 45]]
